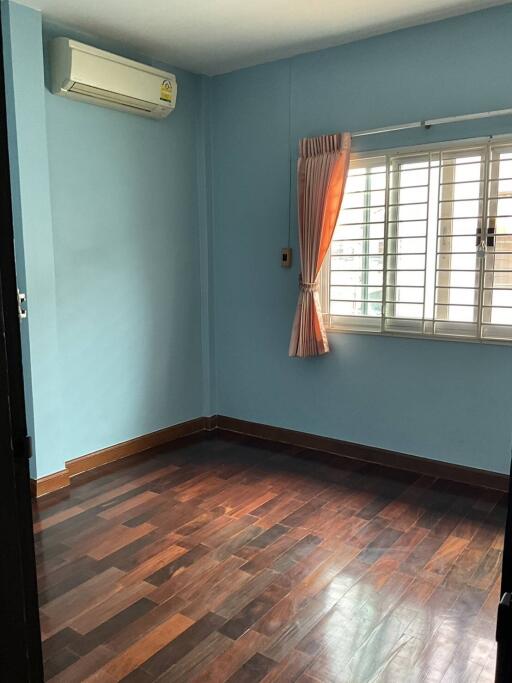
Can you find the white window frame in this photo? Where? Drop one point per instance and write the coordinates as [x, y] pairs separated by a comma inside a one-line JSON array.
[[374, 325]]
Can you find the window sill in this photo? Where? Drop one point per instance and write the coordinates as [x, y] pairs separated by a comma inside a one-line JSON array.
[[333, 329]]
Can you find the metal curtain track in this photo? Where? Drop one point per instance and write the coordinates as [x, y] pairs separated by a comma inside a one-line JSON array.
[[433, 122]]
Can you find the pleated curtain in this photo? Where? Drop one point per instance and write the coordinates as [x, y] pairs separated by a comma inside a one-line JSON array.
[[321, 175]]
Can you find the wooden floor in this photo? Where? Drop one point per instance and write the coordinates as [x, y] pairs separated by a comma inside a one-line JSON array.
[[226, 559]]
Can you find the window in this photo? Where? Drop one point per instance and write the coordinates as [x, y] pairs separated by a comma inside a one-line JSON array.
[[423, 244]]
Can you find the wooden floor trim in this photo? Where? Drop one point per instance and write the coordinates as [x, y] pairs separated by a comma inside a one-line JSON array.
[[49, 484], [54, 482], [303, 440], [372, 454], [134, 446]]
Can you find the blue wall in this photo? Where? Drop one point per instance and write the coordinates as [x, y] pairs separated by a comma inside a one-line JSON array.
[[450, 401], [108, 223], [32, 218], [124, 197]]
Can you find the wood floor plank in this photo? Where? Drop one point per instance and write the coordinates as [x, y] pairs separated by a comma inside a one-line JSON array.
[[169, 655], [211, 600], [253, 671], [86, 667], [247, 592], [178, 564], [108, 629], [235, 560], [289, 669], [198, 660], [116, 511], [117, 538], [269, 555], [65, 578], [154, 563], [232, 658], [59, 517], [68, 606], [98, 614], [138, 626], [138, 653], [445, 556], [253, 611]]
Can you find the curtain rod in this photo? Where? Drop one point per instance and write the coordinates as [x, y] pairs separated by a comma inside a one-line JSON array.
[[432, 122]]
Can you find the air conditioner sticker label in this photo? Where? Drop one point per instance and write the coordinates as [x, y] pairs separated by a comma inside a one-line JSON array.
[[166, 91]]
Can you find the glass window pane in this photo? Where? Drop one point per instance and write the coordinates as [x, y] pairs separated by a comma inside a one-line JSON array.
[[413, 245], [458, 261], [503, 225], [358, 231], [354, 277], [458, 244], [347, 263], [461, 314], [342, 247], [356, 182], [377, 180], [358, 243], [354, 308], [409, 195], [407, 228], [461, 209], [404, 278], [410, 262], [498, 261], [408, 294], [407, 178], [465, 169], [339, 248], [351, 216], [499, 297], [456, 296], [497, 315], [459, 226], [465, 190], [504, 207], [412, 311], [463, 278], [412, 212]]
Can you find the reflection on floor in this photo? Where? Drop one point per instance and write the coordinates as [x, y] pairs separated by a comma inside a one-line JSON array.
[[226, 559]]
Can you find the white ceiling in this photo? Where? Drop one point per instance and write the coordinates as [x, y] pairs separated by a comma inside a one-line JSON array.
[[215, 36]]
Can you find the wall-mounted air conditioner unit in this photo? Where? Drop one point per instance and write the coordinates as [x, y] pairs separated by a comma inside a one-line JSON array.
[[85, 73]]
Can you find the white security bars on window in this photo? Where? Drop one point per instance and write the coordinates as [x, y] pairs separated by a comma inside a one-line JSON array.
[[423, 245]]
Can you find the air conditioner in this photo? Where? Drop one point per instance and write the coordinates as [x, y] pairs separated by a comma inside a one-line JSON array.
[[84, 73]]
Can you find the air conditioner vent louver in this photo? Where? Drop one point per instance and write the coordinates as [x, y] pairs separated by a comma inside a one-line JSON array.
[[109, 97], [84, 73]]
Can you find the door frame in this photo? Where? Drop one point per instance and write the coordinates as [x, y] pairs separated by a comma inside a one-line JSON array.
[[20, 645], [504, 624]]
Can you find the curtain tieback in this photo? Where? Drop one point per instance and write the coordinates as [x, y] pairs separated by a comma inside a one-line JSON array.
[[309, 286]]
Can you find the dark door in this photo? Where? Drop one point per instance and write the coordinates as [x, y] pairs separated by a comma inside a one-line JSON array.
[[504, 627], [20, 643]]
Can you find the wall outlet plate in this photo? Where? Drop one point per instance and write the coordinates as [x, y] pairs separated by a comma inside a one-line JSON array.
[[286, 257]]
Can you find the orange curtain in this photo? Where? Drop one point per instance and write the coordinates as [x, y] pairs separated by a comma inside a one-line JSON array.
[[321, 176]]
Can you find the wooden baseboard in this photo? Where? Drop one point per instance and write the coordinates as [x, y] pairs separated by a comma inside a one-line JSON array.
[[91, 461], [211, 423], [371, 454], [303, 440], [134, 446], [49, 484]]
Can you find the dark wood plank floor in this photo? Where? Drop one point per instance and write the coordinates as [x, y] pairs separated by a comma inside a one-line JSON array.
[[226, 559]]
